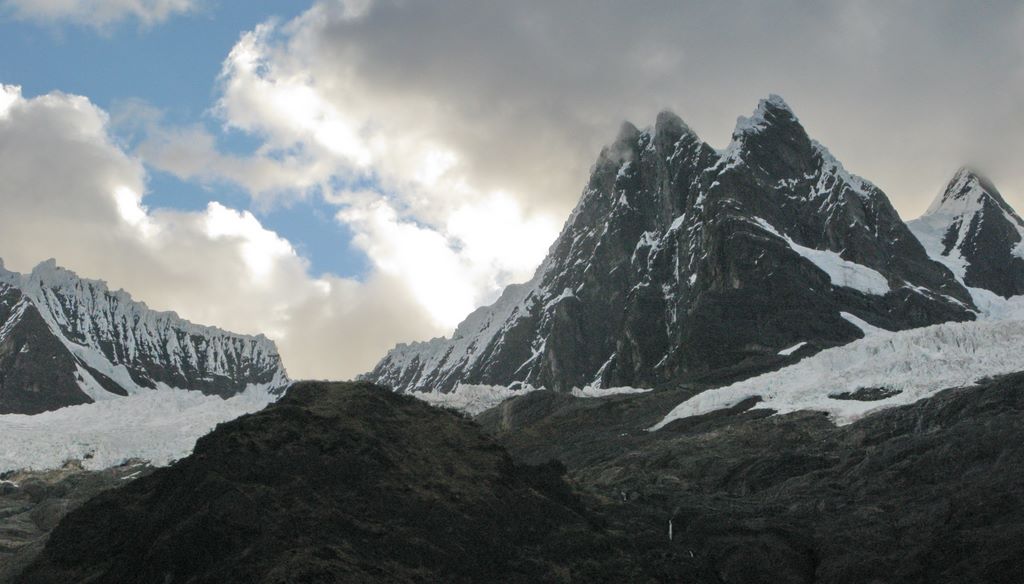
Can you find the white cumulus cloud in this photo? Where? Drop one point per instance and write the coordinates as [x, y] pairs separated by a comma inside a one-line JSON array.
[[98, 13], [70, 192]]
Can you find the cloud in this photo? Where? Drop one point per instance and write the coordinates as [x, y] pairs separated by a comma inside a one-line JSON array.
[[452, 240], [191, 153], [445, 100], [71, 192], [97, 13], [449, 282]]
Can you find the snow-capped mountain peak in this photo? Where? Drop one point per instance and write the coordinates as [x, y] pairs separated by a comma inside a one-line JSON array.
[[680, 262], [966, 192], [971, 229]]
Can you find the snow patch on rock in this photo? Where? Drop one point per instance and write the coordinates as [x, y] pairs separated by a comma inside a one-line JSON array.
[[598, 392], [841, 272], [790, 350]]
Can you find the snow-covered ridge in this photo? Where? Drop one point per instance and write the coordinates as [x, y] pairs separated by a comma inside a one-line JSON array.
[[470, 339], [832, 170], [139, 348], [115, 339], [907, 366]]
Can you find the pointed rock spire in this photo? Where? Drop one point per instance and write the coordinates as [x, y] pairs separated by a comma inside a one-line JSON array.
[[668, 122], [771, 111], [772, 140]]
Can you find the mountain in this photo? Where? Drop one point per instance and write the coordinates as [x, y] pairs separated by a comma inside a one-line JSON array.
[[971, 229], [339, 483], [66, 340], [685, 263], [927, 492]]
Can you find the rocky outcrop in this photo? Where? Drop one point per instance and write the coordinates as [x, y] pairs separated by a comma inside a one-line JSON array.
[[32, 503], [976, 233], [681, 263]]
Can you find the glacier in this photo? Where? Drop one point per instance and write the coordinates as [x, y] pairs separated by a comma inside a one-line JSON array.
[[910, 365], [158, 426], [475, 399]]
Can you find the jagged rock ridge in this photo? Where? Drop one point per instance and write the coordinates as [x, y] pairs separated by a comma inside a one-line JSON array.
[[972, 230], [66, 340], [681, 262]]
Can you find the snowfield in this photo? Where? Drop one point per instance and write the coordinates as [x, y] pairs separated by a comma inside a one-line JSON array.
[[588, 392], [162, 425], [476, 399], [916, 363], [159, 426], [471, 399]]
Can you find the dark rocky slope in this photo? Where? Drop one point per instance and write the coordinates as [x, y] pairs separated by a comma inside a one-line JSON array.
[[348, 482], [338, 483], [927, 493], [682, 263], [37, 372], [32, 503], [974, 231]]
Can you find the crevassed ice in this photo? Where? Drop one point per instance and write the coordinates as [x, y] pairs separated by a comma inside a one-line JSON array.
[[917, 363], [160, 426]]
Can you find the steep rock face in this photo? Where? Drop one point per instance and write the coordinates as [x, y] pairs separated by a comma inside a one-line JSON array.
[[681, 263], [66, 340], [974, 231], [36, 370]]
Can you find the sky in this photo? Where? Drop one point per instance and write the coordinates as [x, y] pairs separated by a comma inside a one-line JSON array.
[[345, 175]]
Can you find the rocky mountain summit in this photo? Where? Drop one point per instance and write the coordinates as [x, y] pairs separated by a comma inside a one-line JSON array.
[[972, 230], [684, 263], [66, 340]]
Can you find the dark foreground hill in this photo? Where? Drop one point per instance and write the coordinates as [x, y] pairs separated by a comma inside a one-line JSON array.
[[350, 483], [338, 483], [928, 493]]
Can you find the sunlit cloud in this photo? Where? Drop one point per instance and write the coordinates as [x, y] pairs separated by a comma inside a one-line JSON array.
[[217, 266]]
